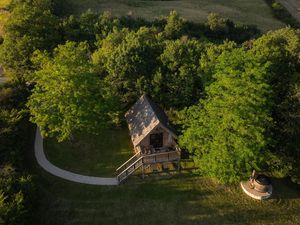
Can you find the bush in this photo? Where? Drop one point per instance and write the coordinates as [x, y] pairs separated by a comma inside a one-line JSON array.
[[16, 192], [16, 188]]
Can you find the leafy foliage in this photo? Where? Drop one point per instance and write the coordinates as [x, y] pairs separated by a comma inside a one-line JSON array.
[[15, 195], [127, 60], [281, 49], [175, 26], [228, 131], [16, 188], [31, 26], [178, 81], [67, 96]]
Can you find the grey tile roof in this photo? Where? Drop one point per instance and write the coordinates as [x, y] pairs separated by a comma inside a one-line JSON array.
[[143, 117]]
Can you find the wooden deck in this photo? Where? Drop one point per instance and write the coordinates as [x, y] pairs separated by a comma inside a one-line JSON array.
[[141, 160]]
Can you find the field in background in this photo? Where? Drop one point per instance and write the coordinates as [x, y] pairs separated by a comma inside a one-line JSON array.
[[241, 11], [4, 15], [4, 3]]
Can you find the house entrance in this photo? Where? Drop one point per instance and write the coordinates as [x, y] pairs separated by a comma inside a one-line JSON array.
[[156, 140]]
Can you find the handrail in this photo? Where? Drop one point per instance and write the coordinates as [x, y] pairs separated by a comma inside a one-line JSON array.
[[131, 165], [177, 148], [127, 161], [119, 177], [138, 160]]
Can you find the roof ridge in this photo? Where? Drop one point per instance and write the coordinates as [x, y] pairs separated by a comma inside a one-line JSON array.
[[151, 102]]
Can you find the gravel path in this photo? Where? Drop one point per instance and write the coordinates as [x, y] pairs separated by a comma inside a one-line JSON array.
[[54, 170]]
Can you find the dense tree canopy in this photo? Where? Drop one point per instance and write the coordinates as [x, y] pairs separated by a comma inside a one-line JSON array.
[[16, 185], [281, 49], [67, 96], [127, 60], [228, 131], [178, 81], [31, 26], [241, 90]]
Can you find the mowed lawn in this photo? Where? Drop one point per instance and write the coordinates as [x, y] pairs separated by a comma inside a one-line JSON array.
[[241, 11], [94, 155], [177, 199]]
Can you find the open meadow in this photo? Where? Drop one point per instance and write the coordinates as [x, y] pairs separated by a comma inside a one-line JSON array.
[[241, 11]]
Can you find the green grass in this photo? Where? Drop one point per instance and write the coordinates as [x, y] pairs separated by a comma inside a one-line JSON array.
[[177, 200], [161, 200], [4, 3], [90, 154], [241, 11], [4, 15]]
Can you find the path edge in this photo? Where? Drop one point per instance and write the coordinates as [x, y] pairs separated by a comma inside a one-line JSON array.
[[64, 174]]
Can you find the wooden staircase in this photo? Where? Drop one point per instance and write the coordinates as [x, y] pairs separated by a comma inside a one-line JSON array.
[[139, 160]]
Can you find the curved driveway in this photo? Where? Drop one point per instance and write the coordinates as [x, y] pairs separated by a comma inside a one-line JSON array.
[[54, 170]]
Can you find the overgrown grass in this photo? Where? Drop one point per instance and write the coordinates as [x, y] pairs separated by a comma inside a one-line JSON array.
[[254, 12], [92, 155]]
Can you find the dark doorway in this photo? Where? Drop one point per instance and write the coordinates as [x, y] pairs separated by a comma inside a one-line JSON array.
[[156, 140]]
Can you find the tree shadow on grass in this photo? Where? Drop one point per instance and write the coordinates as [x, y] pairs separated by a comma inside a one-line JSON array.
[[283, 188], [177, 200]]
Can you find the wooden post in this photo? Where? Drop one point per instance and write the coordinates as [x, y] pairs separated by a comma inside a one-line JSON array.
[[143, 171]]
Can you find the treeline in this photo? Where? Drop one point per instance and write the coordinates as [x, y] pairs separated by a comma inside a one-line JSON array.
[[233, 95], [17, 189], [249, 118]]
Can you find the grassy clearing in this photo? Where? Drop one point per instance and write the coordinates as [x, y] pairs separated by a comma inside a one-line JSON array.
[[178, 200], [241, 11], [161, 200], [4, 15], [92, 155], [4, 3]]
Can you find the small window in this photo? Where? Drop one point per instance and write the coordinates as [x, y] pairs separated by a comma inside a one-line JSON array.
[[156, 140]]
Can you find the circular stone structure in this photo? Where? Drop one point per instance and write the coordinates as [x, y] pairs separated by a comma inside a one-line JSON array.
[[258, 187]]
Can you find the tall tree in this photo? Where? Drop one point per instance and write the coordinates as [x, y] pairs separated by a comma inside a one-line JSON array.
[[127, 60], [67, 96], [281, 49], [175, 26], [178, 81], [228, 131], [31, 26]]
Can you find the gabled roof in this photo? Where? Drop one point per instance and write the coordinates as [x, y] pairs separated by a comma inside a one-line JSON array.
[[143, 117]]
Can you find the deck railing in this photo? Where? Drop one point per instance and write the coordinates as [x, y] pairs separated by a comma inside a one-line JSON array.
[[129, 162], [128, 169]]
